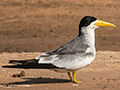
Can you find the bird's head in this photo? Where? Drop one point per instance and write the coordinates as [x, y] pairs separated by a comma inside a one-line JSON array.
[[90, 23]]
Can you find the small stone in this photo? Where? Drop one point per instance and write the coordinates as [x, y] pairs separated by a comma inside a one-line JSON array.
[[40, 78], [104, 87], [61, 75], [93, 78], [51, 30], [110, 56]]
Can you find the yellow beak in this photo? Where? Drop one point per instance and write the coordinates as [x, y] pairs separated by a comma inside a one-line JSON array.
[[103, 23]]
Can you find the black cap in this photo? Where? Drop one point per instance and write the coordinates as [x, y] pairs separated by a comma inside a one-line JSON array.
[[85, 21]]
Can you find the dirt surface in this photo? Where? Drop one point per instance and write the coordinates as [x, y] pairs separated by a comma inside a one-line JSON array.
[[103, 73], [44, 25], [28, 27]]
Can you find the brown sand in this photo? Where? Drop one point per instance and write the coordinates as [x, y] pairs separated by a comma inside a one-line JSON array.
[[103, 73], [31, 26], [44, 25]]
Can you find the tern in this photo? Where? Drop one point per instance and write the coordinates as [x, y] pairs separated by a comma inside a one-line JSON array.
[[70, 57]]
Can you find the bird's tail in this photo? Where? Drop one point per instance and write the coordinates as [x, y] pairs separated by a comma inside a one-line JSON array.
[[28, 64]]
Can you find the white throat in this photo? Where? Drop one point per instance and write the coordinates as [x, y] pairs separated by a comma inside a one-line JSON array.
[[89, 35]]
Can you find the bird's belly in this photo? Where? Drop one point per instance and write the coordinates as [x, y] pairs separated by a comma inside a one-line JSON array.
[[82, 62], [78, 63], [87, 61]]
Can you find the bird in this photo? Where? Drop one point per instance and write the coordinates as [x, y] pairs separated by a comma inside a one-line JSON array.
[[70, 57]]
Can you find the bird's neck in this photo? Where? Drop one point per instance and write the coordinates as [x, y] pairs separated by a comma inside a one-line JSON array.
[[89, 36]]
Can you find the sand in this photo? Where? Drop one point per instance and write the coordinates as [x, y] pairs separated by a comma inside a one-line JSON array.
[[30, 27], [102, 73], [44, 25]]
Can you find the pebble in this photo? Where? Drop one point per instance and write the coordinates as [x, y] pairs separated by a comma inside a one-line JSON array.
[[75, 84]]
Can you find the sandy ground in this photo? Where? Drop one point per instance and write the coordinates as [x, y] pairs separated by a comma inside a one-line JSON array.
[[44, 25], [103, 73], [28, 27]]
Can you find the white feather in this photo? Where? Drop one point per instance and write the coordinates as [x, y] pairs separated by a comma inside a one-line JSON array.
[[49, 59]]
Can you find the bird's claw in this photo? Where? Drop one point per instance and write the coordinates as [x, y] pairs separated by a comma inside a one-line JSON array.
[[75, 81]]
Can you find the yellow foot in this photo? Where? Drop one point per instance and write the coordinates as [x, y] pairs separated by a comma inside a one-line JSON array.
[[75, 81]]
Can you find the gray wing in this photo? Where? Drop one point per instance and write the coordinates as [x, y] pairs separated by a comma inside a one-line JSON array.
[[77, 45], [66, 55]]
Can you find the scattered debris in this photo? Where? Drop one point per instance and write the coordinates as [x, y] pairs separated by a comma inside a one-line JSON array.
[[104, 87], [61, 75], [19, 75], [93, 78], [8, 86], [110, 56], [39, 77], [112, 79]]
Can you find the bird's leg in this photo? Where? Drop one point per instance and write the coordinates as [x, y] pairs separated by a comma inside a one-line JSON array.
[[74, 78], [70, 76]]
